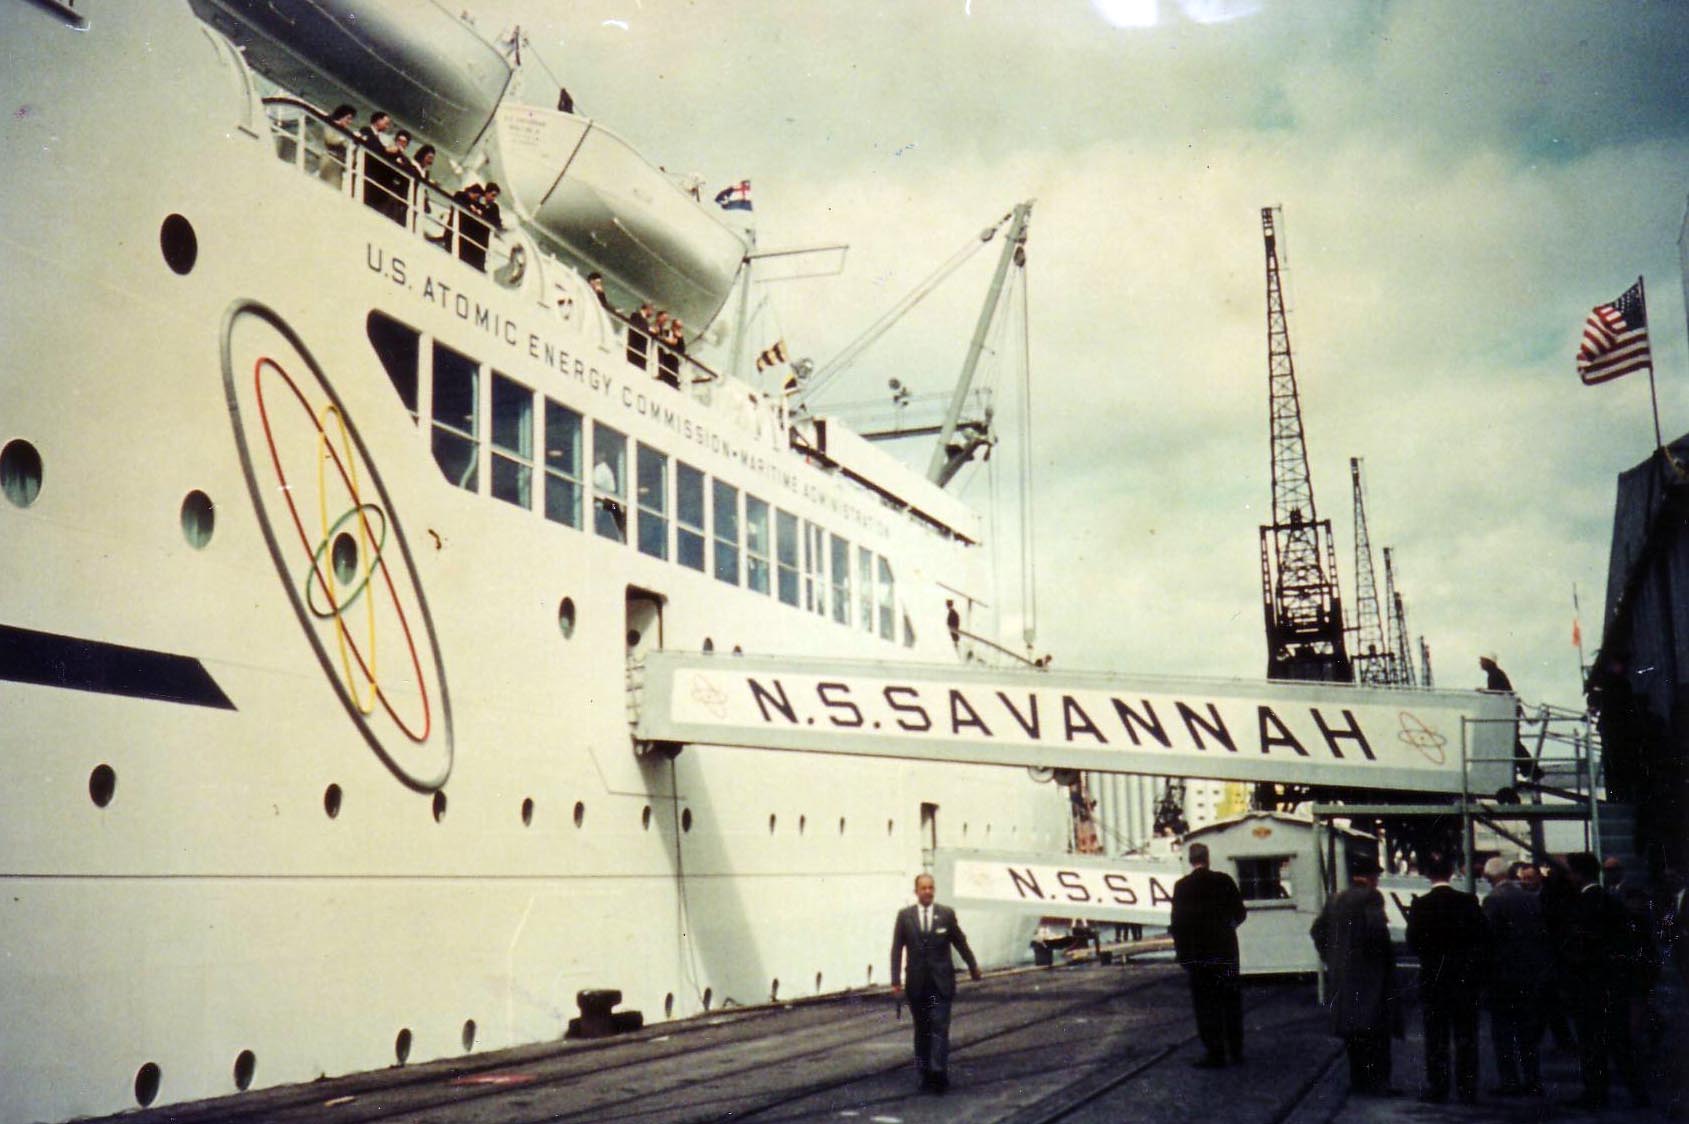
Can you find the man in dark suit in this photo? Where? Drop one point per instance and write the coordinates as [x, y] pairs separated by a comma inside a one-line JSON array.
[[1595, 962], [1207, 909], [1447, 930], [928, 931]]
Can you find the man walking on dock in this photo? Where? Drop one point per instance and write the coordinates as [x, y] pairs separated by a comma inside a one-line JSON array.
[[1207, 909], [927, 931], [1447, 930]]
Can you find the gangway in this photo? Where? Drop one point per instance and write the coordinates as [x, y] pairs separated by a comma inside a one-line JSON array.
[[1334, 735]]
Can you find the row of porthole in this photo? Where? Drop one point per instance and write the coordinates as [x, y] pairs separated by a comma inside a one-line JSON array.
[[20, 481], [102, 787], [150, 1078]]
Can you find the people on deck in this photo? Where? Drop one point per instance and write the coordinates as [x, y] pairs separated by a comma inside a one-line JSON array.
[[639, 338], [333, 166]]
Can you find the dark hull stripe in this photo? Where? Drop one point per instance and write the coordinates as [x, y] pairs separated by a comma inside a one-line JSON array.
[[52, 660]]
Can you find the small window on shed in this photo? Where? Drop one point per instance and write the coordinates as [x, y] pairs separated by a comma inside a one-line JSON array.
[[1265, 878]]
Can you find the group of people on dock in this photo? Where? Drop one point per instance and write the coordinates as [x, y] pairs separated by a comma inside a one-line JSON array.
[[1549, 945]]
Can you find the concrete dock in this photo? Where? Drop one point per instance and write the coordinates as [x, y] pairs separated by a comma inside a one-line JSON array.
[[1083, 1043]]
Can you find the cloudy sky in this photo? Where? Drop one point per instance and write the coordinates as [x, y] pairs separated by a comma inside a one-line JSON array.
[[1460, 184]]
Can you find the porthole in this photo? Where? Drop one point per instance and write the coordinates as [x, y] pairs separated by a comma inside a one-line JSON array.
[[668, 1005], [580, 813], [686, 819], [841, 825], [709, 645], [331, 800], [246, 1065], [774, 989], [803, 822], [468, 1035], [527, 811], [964, 831], [20, 472], [176, 238], [402, 1045], [199, 519], [343, 556], [869, 979], [147, 1080], [771, 823], [738, 651], [708, 995], [888, 827], [439, 806], [645, 818], [818, 983], [102, 785], [566, 617]]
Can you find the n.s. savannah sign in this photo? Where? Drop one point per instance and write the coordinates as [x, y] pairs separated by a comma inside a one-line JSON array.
[[1306, 733]]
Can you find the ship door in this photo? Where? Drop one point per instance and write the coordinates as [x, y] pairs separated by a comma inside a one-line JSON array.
[[644, 622], [929, 835]]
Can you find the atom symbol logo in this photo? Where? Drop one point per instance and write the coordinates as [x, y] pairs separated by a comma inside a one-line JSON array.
[[337, 545], [707, 695], [1430, 744]]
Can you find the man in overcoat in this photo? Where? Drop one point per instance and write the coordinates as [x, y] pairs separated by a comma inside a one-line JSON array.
[[1207, 909], [927, 932], [1520, 971], [1353, 938], [1447, 931]]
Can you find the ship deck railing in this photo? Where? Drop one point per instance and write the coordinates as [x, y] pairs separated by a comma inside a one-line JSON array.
[[306, 139]]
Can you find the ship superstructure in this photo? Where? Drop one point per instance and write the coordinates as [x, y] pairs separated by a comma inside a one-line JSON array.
[[328, 551]]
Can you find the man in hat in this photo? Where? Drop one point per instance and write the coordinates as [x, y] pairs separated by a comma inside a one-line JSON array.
[[1207, 909], [1353, 938], [1496, 679], [927, 932]]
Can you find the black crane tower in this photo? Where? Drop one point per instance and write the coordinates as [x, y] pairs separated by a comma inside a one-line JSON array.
[[1299, 593], [1373, 658], [1401, 653], [1425, 663]]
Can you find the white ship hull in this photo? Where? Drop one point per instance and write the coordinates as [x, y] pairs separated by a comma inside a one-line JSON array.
[[210, 925]]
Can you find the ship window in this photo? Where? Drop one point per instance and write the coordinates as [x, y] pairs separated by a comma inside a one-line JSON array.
[[865, 587], [1265, 878], [726, 533], [609, 482], [814, 568], [888, 598], [653, 487], [841, 579], [756, 544], [689, 516], [786, 524], [20, 472], [398, 348], [562, 464], [457, 417], [513, 442]]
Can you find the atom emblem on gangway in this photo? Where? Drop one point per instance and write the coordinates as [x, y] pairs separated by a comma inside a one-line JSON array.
[[1429, 743]]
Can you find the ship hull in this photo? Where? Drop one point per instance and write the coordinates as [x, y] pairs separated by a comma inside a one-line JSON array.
[[259, 826]]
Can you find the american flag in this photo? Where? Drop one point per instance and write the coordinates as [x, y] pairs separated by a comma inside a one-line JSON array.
[[1615, 338], [735, 197]]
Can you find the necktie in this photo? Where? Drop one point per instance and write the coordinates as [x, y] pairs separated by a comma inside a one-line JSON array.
[[926, 919]]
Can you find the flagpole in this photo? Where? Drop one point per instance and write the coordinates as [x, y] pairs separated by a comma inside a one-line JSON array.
[[1577, 629], [1653, 395]]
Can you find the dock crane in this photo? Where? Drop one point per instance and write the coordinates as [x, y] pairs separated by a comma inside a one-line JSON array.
[[1299, 593], [1373, 659]]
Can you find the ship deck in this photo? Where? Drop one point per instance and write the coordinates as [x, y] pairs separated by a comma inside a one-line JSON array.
[[1088, 1042]]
